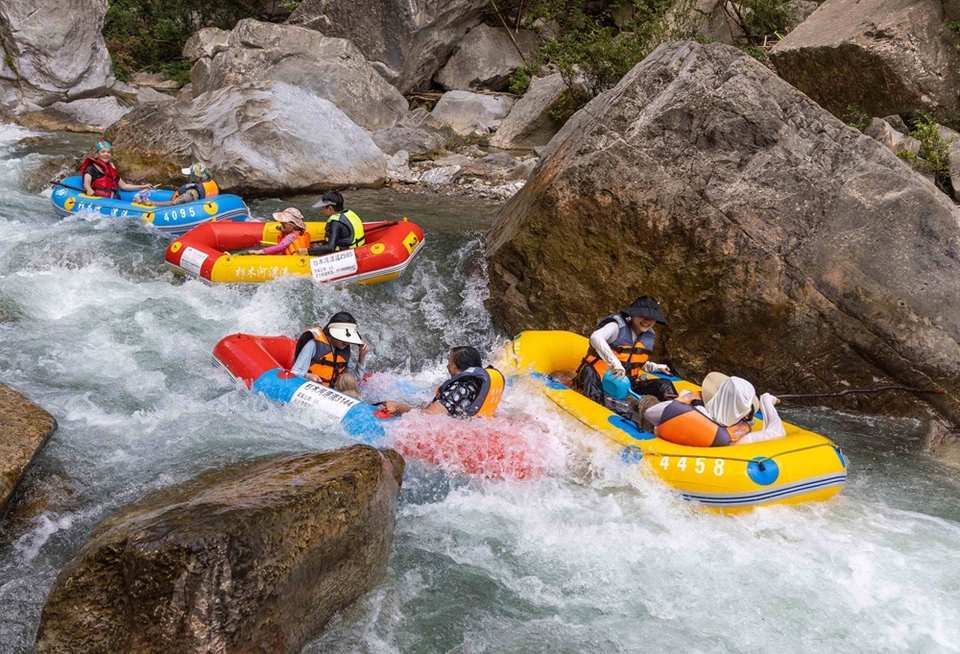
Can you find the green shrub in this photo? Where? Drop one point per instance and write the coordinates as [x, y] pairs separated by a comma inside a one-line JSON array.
[[855, 117], [934, 155], [756, 53], [520, 80]]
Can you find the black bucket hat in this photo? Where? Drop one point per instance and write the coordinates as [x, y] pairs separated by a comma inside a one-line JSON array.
[[645, 307]]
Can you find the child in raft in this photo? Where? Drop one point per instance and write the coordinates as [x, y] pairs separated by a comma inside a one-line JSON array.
[[294, 231]]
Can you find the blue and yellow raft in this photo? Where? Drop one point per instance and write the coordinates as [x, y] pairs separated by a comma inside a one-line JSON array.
[[69, 198], [802, 467]]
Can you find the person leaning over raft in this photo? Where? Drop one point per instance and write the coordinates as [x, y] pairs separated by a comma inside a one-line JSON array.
[[199, 187], [100, 177], [322, 355], [721, 414], [294, 230], [343, 230], [623, 342], [471, 390]]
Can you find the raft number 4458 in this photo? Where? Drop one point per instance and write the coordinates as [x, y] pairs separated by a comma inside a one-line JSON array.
[[700, 466]]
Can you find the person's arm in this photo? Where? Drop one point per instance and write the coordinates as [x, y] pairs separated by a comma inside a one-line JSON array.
[[398, 409], [334, 232], [87, 180], [357, 367], [601, 339], [192, 195], [772, 425], [279, 247], [650, 366], [302, 364], [131, 187]]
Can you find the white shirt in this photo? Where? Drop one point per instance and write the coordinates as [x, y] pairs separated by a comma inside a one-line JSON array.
[[601, 339]]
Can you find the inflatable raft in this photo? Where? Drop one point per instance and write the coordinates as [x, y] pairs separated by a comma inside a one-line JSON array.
[[205, 253], [69, 198], [801, 467]]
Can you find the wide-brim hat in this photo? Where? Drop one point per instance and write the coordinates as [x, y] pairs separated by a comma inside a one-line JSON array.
[[711, 384], [290, 215], [345, 331], [645, 307]]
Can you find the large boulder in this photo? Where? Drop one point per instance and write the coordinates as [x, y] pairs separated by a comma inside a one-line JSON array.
[[24, 428], [785, 246], [486, 58], [469, 113], [254, 558], [414, 140], [884, 56], [86, 115], [406, 40], [333, 69], [258, 138], [529, 124], [51, 52]]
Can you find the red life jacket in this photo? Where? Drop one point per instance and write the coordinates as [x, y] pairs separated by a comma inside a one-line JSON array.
[[104, 177]]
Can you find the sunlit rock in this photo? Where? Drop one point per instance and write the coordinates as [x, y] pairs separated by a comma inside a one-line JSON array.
[[530, 123], [486, 58], [785, 246], [253, 558], [469, 113], [24, 428]]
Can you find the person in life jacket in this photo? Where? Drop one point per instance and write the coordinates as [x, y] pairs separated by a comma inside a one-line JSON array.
[[343, 229], [294, 230], [322, 354], [199, 187], [721, 414], [472, 390], [623, 342], [100, 177]]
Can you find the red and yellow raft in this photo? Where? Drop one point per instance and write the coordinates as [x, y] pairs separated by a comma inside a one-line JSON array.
[[205, 252]]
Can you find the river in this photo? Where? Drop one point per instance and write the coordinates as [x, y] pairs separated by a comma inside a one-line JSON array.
[[592, 556]]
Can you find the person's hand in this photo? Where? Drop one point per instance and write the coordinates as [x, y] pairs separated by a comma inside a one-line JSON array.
[[618, 373], [393, 407], [259, 252], [776, 400], [661, 368], [302, 252], [312, 377], [364, 351]]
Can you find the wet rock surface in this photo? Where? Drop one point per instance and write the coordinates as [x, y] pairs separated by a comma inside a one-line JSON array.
[[24, 429]]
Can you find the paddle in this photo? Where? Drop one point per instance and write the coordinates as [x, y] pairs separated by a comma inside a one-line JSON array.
[[874, 389], [72, 188]]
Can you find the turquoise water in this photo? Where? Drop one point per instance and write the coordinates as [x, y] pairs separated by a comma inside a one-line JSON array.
[[593, 556]]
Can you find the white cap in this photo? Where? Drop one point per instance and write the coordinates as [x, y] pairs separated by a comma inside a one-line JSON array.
[[345, 331]]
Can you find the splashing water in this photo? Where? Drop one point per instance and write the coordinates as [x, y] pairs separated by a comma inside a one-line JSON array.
[[564, 549]]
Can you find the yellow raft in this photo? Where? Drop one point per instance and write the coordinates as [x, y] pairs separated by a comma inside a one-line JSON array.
[[802, 467]]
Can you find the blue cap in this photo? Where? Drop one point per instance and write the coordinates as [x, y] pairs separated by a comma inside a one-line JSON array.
[[103, 144]]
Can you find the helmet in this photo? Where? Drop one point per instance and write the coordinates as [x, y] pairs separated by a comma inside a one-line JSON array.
[[103, 145], [197, 171]]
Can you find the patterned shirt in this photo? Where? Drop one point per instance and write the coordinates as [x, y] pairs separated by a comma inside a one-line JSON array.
[[190, 195], [459, 395]]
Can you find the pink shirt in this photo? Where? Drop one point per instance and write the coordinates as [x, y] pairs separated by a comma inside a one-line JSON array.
[[282, 245]]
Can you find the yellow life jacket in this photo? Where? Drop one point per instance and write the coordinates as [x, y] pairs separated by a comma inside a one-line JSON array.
[[353, 222]]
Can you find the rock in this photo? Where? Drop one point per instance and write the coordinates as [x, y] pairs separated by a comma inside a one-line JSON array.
[[909, 144], [147, 94], [35, 176], [896, 122], [441, 176], [800, 10], [186, 93], [96, 113], [398, 169], [155, 81], [407, 41], [529, 124], [51, 52], [951, 139], [24, 429], [880, 130], [464, 111], [258, 138], [333, 69], [885, 56], [206, 42], [414, 140], [486, 58], [709, 19], [785, 246], [495, 167], [256, 557], [420, 117]]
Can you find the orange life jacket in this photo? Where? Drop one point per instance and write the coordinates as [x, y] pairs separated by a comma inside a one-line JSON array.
[[328, 362], [207, 189], [301, 242], [491, 390], [683, 424], [632, 352]]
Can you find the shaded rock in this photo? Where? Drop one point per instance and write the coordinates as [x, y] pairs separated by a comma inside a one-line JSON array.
[[495, 167], [414, 140], [885, 56], [147, 94], [465, 111], [256, 557], [896, 122], [529, 123], [880, 130], [441, 176], [420, 117], [710, 19], [333, 69], [51, 52], [406, 41], [258, 138], [909, 144], [36, 176], [95, 113], [206, 42], [486, 58], [785, 246], [24, 429]]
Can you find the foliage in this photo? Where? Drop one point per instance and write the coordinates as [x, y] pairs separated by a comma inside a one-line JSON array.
[[520, 81], [934, 155], [149, 35], [855, 117], [755, 52], [760, 18], [954, 26]]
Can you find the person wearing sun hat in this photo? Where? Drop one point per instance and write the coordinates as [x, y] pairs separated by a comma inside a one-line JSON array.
[[623, 342], [101, 177], [294, 230], [199, 187], [322, 354], [720, 414]]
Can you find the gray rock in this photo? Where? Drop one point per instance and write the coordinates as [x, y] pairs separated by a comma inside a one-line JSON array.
[[55, 51], [880, 130], [258, 138], [529, 123], [254, 558], [420, 117], [156, 81], [147, 94], [398, 169], [408, 40], [711, 19], [97, 113], [414, 140], [465, 111], [495, 167], [896, 122], [909, 144], [776, 238], [885, 56], [486, 58], [207, 42], [333, 69], [24, 429], [441, 176], [952, 140]]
